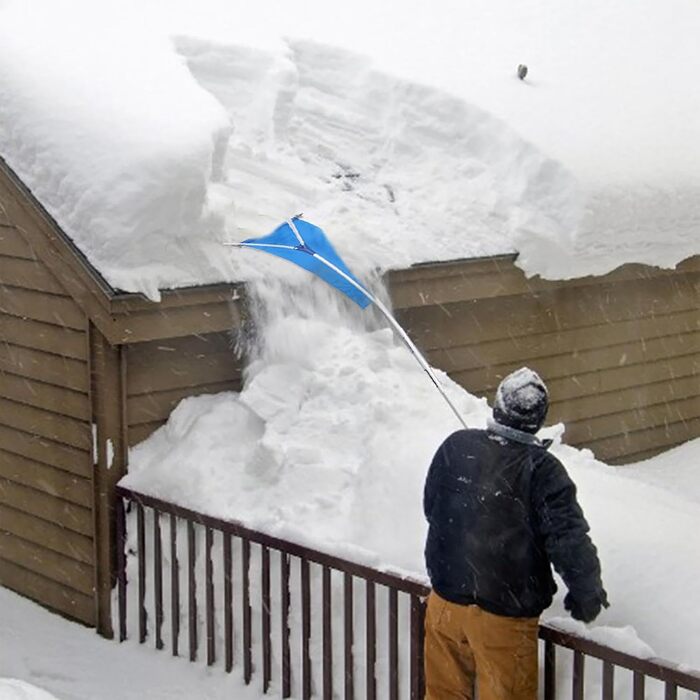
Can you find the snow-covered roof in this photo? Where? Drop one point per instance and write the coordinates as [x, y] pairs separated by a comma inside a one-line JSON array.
[[155, 133]]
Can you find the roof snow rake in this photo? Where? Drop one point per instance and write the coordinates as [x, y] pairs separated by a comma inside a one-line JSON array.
[[306, 245]]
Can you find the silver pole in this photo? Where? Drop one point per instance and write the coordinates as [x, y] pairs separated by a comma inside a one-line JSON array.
[[402, 333]]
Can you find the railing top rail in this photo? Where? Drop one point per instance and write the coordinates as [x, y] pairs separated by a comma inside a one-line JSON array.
[[654, 668], [401, 583]]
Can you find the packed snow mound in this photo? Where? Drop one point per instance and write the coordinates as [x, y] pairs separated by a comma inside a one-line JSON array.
[[681, 461], [13, 689], [624, 639], [329, 442], [151, 152], [328, 429]]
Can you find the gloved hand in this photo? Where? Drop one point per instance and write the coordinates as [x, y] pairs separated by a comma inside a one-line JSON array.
[[588, 609]]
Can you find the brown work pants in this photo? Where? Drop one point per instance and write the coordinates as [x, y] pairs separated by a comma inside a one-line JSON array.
[[464, 641]]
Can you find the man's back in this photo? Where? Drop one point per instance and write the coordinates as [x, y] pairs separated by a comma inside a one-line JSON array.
[[483, 544], [501, 510]]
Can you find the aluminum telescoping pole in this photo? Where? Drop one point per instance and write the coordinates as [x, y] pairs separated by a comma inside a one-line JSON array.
[[418, 355], [401, 332]]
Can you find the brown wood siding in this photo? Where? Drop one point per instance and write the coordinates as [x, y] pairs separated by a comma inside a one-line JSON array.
[[46, 478], [46, 534], [13, 245], [48, 452], [28, 274], [154, 322], [620, 353], [23, 332], [4, 219], [161, 373], [36, 256], [47, 591], [46, 491]]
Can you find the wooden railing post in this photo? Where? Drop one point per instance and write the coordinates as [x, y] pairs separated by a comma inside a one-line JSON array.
[[285, 600], [577, 690], [416, 643], [305, 630], [371, 640], [349, 636], [191, 590], [246, 612], [158, 578], [141, 554], [121, 566], [393, 644], [228, 602], [265, 614], [209, 595], [550, 670], [608, 680], [174, 587], [326, 606]]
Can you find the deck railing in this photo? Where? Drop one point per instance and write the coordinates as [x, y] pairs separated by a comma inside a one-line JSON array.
[[382, 613]]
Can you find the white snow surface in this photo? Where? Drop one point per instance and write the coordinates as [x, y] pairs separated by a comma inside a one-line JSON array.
[[154, 131], [330, 439], [14, 689], [61, 660]]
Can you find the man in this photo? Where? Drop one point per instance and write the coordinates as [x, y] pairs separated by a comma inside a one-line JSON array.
[[501, 510]]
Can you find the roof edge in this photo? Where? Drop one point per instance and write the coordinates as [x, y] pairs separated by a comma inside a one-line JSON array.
[[54, 229]]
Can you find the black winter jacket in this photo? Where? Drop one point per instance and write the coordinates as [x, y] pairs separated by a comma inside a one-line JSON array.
[[499, 513]]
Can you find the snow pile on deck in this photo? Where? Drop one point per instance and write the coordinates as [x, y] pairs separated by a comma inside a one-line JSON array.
[[151, 152], [13, 689], [329, 443], [73, 663]]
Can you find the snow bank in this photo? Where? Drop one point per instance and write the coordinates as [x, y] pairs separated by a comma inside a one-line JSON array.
[[650, 565], [624, 639], [151, 152], [327, 442], [74, 663], [13, 689]]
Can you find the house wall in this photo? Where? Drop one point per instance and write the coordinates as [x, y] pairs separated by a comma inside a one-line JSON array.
[[620, 353], [69, 344], [161, 373], [46, 490]]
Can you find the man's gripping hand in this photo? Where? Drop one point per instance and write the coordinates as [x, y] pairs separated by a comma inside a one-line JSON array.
[[588, 609]]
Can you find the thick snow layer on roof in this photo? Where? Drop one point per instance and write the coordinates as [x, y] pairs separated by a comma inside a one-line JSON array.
[[151, 152], [14, 689]]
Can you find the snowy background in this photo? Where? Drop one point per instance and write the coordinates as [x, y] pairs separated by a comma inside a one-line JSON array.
[[154, 132]]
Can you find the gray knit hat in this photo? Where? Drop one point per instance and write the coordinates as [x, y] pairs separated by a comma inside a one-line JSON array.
[[521, 401]]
